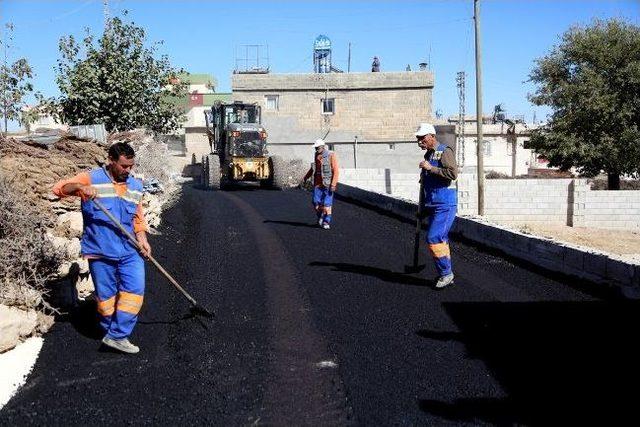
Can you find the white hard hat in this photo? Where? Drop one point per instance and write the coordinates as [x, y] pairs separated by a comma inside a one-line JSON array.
[[425, 129], [319, 143]]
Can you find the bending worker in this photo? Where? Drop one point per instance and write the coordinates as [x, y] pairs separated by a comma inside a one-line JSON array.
[[116, 267], [438, 172], [324, 170]]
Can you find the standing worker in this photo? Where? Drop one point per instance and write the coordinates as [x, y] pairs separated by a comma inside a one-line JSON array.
[[375, 65], [324, 170], [116, 267], [438, 172]]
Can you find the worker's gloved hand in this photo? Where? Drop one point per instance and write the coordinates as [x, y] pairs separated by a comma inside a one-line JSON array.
[[88, 192]]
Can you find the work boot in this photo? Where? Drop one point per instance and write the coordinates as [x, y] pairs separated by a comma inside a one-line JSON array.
[[444, 281], [123, 345], [326, 226]]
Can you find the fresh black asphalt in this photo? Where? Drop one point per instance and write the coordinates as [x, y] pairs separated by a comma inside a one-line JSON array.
[[316, 327]]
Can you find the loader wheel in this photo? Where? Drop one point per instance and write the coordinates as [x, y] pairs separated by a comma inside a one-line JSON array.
[[213, 172], [278, 178]]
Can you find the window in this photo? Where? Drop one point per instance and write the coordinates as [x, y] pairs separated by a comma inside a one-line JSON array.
[[272, 102], [330, 147], [487, 148], [328, 105]]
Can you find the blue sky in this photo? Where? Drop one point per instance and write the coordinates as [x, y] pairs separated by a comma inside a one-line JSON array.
[[202, 37]]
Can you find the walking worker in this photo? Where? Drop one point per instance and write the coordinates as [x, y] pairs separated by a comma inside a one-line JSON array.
[[325, 172], [116, 267], [438, 172]]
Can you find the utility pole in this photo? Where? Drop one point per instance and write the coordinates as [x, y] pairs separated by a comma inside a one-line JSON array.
[[460, 83], [349, 60], [7, 29], [480, 142], [105, 12]]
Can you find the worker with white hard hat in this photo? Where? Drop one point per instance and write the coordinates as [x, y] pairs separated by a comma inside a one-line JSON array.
[[438, 173], [324, 170]]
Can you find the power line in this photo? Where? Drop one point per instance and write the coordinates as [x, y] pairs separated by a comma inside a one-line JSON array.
[[55, 18]]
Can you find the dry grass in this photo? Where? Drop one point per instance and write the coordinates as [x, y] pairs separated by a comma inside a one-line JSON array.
[[27, 258]]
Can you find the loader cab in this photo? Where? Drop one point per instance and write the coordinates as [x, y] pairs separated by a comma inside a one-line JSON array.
[[235, 130]]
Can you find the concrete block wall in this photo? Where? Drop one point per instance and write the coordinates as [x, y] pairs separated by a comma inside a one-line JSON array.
[[517, 200], [619, 210], [366, 179], [527, 200], [549, 201]]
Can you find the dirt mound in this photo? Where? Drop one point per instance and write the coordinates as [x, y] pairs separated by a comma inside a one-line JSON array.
[[33, 168]]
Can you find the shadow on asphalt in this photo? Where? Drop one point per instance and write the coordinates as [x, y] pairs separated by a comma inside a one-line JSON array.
[[292, 223], [84, 320], [557, 362], [380, 273]]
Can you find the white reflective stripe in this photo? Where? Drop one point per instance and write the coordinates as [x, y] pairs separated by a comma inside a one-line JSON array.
[[109, 185], [130, 200], [106, 193], [133, 196]]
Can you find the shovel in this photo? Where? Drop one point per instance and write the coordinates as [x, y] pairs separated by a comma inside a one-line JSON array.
[[414, 267], [196, 308]]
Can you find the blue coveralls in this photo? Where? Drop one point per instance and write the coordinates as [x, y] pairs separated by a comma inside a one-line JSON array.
[[440, 205], [117, 269]]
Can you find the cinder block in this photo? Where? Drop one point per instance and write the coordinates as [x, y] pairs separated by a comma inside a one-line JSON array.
[[574, 258], [546, 250], [619, 271], [595, 264]]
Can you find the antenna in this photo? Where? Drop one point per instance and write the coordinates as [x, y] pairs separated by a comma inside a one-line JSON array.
[[460, 83], [254, 61]]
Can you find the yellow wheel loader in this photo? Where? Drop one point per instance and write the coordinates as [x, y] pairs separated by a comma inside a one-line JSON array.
[[239, 148]]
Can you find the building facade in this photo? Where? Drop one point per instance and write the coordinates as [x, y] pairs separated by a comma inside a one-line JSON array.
[[368, 118]]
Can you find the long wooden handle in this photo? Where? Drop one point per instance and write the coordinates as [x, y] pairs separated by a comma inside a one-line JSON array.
[[152, 259]]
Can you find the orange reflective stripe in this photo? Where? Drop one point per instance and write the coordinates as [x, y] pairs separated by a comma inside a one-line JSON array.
[[440, 250], [129, 303], [107, 307]]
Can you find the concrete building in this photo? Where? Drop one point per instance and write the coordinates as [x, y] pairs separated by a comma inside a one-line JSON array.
[[498, 148], [202, 96], [369, 119]]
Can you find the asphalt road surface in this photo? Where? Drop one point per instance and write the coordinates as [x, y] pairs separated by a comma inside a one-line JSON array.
[[325, 328]]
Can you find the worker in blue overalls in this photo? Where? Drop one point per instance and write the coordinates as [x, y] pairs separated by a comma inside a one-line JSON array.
[[117, 269], [438, 173]]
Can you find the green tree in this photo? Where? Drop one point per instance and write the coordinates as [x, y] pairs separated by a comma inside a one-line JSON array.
[[14, 83], [592, 83], [117, 81]]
